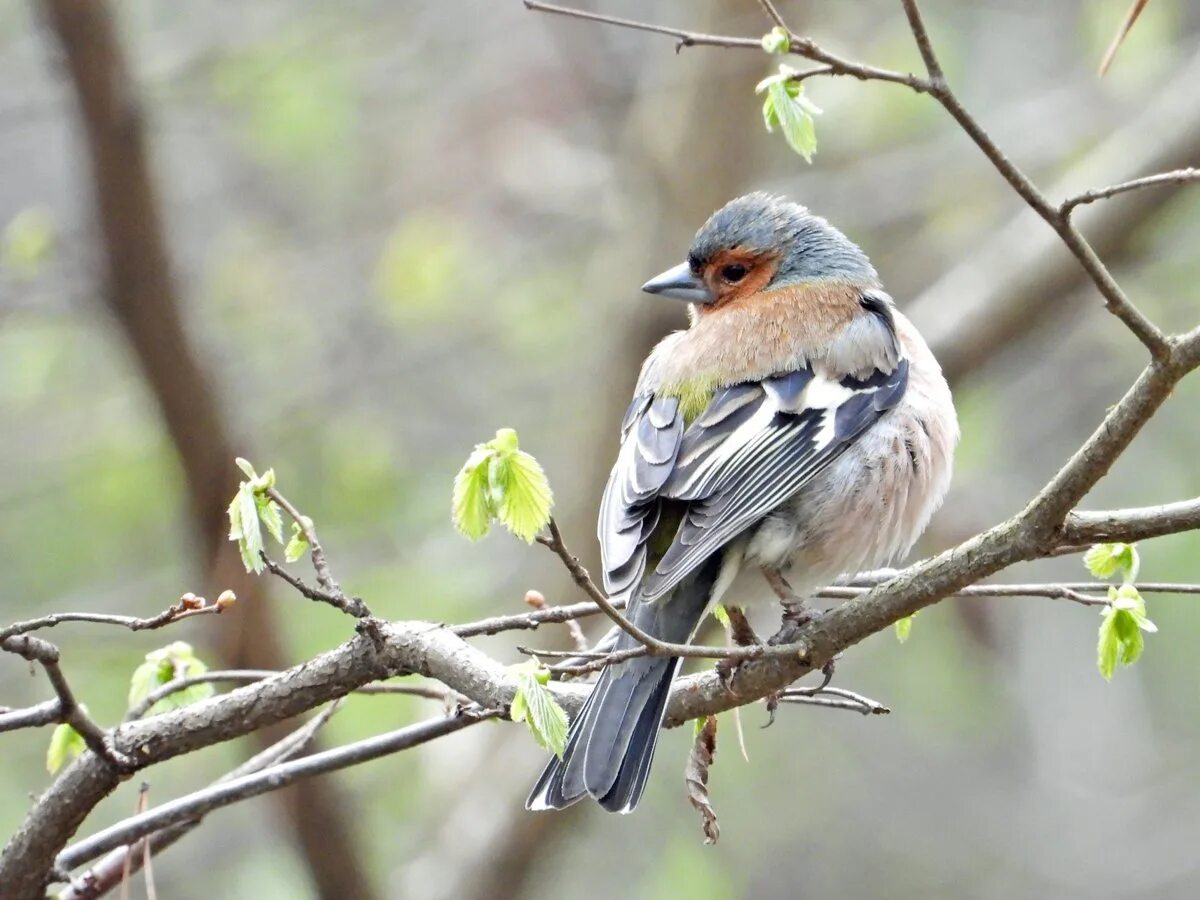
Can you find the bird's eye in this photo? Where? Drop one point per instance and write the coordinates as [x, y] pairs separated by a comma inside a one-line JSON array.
[[733, 273]]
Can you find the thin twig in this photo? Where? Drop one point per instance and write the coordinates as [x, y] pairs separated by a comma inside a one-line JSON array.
[[653, 646], [683, 38], [538, 601], [70, 712], [852, 701], [1116, 301], [184, 609], [320, 564], [1115, 298], [531, 621], [331, 592], [250, 676], [1177, 176], [273, 778], [119, 863], [773, 14], [1119, 38], [45, 713]]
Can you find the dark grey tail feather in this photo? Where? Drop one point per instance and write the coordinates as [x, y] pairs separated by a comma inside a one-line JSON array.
[[626, 791], [611, 743]]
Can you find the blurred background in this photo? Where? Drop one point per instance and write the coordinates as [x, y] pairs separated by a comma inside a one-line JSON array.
[[365, 237]]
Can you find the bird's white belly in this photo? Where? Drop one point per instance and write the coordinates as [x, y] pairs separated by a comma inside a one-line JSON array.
[[867, 508]]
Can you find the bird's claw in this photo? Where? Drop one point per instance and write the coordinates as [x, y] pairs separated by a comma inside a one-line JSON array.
[[772, 705]]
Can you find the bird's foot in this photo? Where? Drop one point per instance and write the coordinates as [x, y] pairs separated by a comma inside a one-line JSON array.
[[775, 698], [795, 611]]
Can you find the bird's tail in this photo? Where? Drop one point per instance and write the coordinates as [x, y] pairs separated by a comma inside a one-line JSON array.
[[611, 743]]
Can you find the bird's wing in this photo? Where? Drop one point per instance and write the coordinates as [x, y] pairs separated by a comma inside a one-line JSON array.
[[755, 445]]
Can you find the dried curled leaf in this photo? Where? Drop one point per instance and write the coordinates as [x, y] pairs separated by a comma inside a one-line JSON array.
[[695, 776]]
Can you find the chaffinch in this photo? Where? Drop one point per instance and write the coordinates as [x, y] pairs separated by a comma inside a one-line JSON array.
[[800, 424]]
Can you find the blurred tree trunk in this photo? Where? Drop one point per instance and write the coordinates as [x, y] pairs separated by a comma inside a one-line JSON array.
[[140, 292]]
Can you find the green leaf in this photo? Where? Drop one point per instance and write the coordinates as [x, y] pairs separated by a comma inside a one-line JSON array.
[[1107, 560], [1121, 627], [65, 744], [271, 516], [501, 481], [176, 660], [471, 506], [534, 704], [247, 469], [722, 615], [527, 499], [776, 41], [904, 628], [505, 441], [297, 546], [250, 545], [1108, 647], [795, 121], [1129, 636]]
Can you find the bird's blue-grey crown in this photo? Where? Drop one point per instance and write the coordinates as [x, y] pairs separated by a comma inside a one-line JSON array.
[[813, 250]]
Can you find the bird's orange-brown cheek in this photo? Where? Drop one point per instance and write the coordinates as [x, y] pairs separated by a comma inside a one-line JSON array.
[[758, 276]]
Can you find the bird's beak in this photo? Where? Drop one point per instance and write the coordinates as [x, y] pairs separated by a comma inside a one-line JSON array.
[[681, 284]]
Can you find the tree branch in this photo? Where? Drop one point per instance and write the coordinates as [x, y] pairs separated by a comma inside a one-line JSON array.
[[683, 38], [116, 867], [1179, 176], [68, 709], [200, 803], [186, 608]]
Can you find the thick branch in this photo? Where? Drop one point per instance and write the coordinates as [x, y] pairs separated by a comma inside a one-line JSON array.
[[1132, 524]]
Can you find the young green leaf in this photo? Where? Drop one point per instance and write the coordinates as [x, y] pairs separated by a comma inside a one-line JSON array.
[[534, 704], [903, 628], [297, 546], [526, 502], [251, 544], [65, 744], [271, 516], [1121, 627], [176, 660], [776, 41], [471, 507], [722, 615], [1108, 648], [505, 441], [501, 481], [785, 107], [1107, 560]]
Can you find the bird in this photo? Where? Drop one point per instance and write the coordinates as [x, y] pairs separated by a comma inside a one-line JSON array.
[[800, 428]]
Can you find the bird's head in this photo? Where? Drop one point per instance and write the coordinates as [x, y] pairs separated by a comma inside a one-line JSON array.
[[757, 244]]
